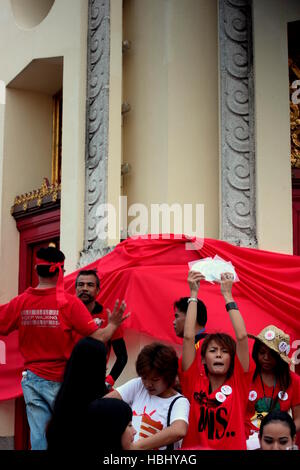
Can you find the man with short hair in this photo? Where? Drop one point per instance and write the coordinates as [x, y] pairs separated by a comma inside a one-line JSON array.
[[87, 290], [46, 316], [180, 309]]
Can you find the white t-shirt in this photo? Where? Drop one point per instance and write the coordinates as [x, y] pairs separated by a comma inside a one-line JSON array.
[[150, 412]]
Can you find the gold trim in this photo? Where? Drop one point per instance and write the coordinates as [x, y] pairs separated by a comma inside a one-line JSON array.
[[37, 195], [294, 120]]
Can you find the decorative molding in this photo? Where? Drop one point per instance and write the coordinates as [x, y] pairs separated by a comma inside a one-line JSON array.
[[238, 220], [294, 74], [97, 121], [46, 197]]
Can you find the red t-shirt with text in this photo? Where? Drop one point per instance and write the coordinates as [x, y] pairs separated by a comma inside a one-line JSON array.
[[216, 419], [45, 333]]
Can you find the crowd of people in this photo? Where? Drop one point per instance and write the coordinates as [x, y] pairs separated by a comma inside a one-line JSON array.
[[216, 396]]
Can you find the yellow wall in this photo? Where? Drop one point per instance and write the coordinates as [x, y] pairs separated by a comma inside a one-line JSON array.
[[170, 80], [273, 170], [63, 33], [115, 121]]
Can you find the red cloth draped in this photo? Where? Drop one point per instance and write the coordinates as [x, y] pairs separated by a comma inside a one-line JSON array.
[[150, 274]]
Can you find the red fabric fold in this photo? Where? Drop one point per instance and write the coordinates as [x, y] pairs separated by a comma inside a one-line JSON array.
[[150, 274]]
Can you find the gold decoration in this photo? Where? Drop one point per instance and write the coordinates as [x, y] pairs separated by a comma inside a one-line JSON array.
[[294, 118], [38, 195]]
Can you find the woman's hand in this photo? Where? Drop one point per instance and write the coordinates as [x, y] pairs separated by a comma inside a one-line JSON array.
[[194, 279], [226, 286]]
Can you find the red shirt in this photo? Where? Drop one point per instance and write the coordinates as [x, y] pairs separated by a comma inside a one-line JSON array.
[[216, 419], [102, 314], [258, 406], [45, 333]]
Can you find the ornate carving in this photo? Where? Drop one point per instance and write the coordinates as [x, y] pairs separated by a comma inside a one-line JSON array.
[[237, 123], [294, 72], [37, 197], [97, 127]]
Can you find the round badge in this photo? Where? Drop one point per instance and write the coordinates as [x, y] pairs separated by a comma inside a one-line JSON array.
[[287, 351], [282, 346], [252, 395], [269, 335], [220, 397], [98, 321], [283, 395], [226, 389]]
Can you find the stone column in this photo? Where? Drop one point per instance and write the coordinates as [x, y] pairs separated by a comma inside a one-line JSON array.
[[97, 123], [238, 219]]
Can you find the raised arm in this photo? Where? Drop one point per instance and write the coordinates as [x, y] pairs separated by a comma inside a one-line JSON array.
[[188, 349], [242, 348]]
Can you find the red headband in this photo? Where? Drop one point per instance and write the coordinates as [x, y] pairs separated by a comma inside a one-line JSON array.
[[60, 291]]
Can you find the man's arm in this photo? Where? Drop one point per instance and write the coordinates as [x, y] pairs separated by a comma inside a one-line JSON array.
[[119, 348], [237, 321], [114, 321], [9, 316], [188, 348]]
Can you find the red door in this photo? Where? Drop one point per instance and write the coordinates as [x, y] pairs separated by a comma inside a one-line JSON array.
[[35, 232]]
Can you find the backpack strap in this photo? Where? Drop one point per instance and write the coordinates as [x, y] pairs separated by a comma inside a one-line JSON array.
[[171, 446]]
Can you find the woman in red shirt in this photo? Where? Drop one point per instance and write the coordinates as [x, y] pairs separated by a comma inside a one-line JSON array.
[[218, 395], [273, 385]]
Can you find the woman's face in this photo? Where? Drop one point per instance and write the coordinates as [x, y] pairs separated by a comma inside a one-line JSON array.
[[217, 358], [155, 384], [276, 436], [265, 358], [128, 437]]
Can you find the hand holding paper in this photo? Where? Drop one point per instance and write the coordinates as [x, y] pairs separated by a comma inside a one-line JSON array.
[[212, 268]]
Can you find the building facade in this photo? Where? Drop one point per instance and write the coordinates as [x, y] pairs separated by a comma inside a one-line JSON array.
[[164, 102]]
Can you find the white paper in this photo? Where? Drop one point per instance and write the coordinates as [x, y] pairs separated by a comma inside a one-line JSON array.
[[212, 268]]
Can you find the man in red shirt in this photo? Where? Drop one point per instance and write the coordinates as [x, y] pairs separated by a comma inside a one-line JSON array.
[[46, 316], [87, 290]]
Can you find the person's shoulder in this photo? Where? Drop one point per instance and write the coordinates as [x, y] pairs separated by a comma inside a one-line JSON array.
[[179, 399]]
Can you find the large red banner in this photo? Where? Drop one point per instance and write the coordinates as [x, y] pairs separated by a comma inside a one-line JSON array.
[[150, 274]]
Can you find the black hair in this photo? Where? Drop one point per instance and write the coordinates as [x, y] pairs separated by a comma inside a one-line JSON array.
[[107, 419], [159, 358], [51, 254], [182, 306], [89, 272], [83, 382], [277, 415], [281, 369]]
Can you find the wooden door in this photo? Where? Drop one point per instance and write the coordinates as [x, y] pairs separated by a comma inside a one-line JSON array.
[[35, 232]]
